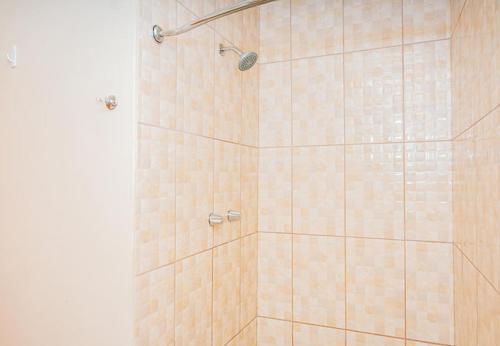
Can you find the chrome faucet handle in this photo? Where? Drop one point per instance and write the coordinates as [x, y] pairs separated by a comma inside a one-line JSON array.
[[214, 219], [233, 215]]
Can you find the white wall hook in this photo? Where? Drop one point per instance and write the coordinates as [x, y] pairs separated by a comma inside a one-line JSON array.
[[12, 57], [110, 101]]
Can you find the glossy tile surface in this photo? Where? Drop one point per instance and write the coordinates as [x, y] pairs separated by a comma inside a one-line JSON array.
[[374, 96], [304, 335], [319, 280], [425, 20], [316, 27], [275, 275], [375, 191], [376, 286], [318, 190], [318, 102], [429, 292], [427, 94], [372, 24], [428, 191], [275, 190]]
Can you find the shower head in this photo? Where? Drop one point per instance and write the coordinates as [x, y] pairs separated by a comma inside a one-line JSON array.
[[247, 59]]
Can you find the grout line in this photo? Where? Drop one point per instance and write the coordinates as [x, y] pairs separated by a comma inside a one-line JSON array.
[[241, 330], [361, 143], [196, 135], [345, 175], [454, 26], [353, 51], [291, 162], [476, 122], [361, 237], [192, 255], [403, 108], [351, 330], [477, 269]]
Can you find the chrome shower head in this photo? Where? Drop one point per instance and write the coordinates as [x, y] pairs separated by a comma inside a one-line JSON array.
[[247, 59]]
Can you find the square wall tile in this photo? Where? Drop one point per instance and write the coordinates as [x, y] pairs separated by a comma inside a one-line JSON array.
[[227, 120], [376, 286], [316, 27], [157, 65], [428, 191], [247, 336], [429, 292], [155, 191], [425, 20], [374, 96], [275, 275], [194, 194], [273, 332], [275, 31], [226, 292], [318, 101], [154, 312], [318, 190], [374, 191], [248, 287], [250, 106], [275, 110], [249, 190], [307, 335], [465, 294], [275, 190], [427, 91], [193, 299], [319, 280], [362, 339], [226, 189], [372, 24], [488, 314], [195, 80]]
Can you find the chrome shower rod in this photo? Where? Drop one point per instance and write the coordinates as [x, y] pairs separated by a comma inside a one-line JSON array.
[[159, 34]]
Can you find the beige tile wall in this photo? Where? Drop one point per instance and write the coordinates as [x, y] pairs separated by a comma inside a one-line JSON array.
[[197, 153], [351, 188], [476, 170], [355, 173]]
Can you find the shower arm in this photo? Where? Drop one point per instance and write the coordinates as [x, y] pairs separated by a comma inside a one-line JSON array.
[[159, 34]]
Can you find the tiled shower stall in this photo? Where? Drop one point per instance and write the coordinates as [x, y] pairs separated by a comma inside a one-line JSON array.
[[363, 151]]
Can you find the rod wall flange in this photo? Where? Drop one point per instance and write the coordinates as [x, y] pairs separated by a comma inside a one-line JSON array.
[[158, 34]]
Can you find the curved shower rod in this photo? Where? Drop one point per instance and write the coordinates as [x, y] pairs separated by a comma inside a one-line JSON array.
[[159, 34]]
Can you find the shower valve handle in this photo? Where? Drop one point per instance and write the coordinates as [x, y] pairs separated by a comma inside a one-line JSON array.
[[214, 219], [233, 215]]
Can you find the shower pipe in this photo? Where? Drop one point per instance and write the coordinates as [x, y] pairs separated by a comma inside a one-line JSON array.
[[159, 34]]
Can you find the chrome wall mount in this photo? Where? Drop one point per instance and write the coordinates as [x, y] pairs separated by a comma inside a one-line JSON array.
[[247, 59], [214, 219], [159, 34]]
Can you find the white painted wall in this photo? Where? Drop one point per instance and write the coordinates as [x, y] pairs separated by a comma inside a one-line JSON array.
[[66, 173]]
